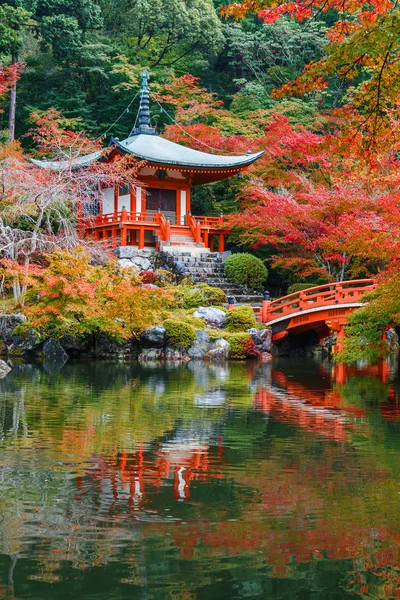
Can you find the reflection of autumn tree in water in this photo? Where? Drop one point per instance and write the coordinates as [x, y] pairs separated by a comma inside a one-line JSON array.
[[189, 464]]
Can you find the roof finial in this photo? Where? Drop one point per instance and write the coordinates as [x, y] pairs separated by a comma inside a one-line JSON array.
[[144, 109]]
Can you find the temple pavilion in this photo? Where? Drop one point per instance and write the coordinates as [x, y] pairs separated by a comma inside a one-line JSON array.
[[156, 211]]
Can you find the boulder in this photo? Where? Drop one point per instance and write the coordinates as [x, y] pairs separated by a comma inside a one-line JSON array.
[[154, 337], [126, 263], [74, 345], [53, 351], [4, 369], [214, 317], [262, 338], [141, 262], [173, 354], [218, 351], [7, 325], [126, 251], [200, 346], [27, 342], [149, 355], [107, 346]]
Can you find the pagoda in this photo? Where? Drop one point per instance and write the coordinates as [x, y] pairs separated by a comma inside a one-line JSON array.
[[156, 211]]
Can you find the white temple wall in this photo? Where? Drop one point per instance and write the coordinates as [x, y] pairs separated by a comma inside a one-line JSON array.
[[183, 204], [124, 201], [138, 199], [108, 200]]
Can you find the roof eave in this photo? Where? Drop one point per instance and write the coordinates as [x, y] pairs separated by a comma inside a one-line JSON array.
[[245, 163]]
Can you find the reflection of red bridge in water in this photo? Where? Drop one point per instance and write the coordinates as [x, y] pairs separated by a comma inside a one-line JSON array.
[[323, 308]]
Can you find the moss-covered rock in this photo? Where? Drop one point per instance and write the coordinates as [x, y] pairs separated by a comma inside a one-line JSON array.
[[195, 322], [240, 318], [242, 346], [179, 334], [199, 295]]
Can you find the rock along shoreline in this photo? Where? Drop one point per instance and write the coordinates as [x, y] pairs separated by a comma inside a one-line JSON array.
[[151, 345]]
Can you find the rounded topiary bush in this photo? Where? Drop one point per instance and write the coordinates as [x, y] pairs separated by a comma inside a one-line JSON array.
[[240, 318], [299, 287], [242, 346], [246, 269], [179, 334]]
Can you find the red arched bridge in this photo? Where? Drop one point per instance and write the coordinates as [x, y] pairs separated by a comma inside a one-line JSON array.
[[323, 308]]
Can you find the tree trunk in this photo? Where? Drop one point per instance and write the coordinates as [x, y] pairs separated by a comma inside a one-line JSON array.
[[13, 104]]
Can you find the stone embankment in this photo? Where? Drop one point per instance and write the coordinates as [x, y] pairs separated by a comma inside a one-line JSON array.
[[152, 345]]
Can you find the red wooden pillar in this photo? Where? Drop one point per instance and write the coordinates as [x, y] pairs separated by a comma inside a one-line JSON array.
[[116, 193], [206, 238], [124, 231], [198, 232], [113, 237], [212, 243], [221, 242], [340, 374], [124, 236], [141, 238], [167, 231]]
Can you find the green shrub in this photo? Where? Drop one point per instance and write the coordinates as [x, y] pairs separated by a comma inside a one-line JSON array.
[[246, 269], [193, 298], [199, 295], [240, 318], [299, 287], [213, 295], [179, 334], [242, 346], [163, 277], [195, 322]]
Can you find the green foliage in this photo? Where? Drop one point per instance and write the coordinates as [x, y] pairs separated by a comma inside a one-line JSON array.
[[213, 294], [200, 295], [163, 277], [240, 318], [72, 297], [364, 330], [195, 322], [275, 53], [179, 333], [246, 269], [242, 346]]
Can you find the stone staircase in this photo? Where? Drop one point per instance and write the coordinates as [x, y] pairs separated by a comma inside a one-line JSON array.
[[181, 238], [208, 267]]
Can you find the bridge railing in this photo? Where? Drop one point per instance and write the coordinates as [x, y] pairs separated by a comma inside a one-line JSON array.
[[345, 292]]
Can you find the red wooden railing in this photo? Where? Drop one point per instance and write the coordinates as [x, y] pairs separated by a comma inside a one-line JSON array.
[[124, 216], [165, 228], [211, 222], [318, 297], [195, 228]]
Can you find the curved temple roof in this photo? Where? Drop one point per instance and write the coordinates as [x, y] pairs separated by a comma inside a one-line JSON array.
[[63, 165], [158, 150]]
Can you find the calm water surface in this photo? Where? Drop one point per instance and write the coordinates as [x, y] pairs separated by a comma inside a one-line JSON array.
[[277, 480]]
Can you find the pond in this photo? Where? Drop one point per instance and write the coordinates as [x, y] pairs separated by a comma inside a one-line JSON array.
[[197, 481]]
